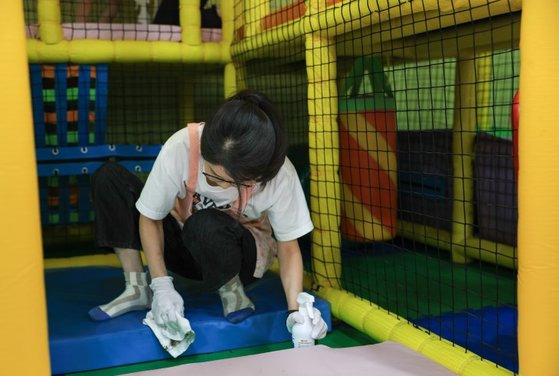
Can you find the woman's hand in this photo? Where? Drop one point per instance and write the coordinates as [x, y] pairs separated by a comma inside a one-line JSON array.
[[167, 305]]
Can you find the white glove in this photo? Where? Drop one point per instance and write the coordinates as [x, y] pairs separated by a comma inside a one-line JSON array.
[[319, 327], [167, 305]]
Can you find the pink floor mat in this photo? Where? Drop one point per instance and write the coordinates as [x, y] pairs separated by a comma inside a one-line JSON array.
[[387, 359]]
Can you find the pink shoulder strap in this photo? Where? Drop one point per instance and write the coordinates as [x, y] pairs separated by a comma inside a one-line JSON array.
[[245, 195], [183, 207], [193, 156]]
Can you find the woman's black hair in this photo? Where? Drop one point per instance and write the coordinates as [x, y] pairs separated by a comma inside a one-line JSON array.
[[245, 137]]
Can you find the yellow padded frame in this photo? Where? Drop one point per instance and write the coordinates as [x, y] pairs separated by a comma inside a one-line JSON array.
[[538, 199]]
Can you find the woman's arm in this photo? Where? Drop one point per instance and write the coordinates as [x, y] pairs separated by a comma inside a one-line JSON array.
[[151, 235], [291, 271], [167, 305]]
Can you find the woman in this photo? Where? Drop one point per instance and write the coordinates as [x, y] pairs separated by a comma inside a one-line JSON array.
[[207, 211]]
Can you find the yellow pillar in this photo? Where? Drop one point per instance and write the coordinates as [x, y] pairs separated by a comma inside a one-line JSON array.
[[463, 135], [229, 80], [255, 11], [50, 20], [324, 154], [484, 62], [23, 319], [227, 30], [538, 190], [191, 21]]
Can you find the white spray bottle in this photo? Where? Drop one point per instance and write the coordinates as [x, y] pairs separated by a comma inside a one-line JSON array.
[[302, 332]]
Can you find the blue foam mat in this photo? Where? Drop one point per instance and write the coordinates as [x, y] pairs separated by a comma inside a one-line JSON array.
[[78, 344], [489, 332]]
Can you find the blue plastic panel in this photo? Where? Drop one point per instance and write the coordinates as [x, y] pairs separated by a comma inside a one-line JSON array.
[[89, 167], [70, 153], [77, 343]]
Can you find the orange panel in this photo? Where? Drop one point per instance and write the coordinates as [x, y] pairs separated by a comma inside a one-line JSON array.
[[368, 169], [283, 15]]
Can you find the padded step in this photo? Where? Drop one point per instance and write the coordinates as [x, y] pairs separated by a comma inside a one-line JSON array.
[[78, 344]]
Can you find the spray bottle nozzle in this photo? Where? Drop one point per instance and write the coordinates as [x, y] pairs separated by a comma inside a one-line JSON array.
[[306, 301]]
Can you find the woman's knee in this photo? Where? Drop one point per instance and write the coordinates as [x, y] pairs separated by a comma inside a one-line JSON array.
[[208, 222], [112, 181], [106, 174], [211, 226]]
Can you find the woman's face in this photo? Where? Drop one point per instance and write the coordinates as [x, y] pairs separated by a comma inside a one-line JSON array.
[[217, 176]]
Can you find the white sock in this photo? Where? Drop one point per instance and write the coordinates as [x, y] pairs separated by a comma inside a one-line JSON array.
[[234, 299], [136, 296]]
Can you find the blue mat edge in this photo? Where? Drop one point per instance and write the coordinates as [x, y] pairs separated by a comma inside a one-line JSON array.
[[138, 344]]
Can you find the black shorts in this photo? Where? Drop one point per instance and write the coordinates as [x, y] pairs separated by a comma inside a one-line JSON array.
[[211, 247]]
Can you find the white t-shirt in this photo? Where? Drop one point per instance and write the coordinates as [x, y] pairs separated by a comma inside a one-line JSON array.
[[282, 199]]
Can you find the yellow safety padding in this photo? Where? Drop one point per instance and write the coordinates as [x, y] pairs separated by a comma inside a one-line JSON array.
[[538, 190], [109, 259], [483, 64], [229, 80], [324, 159], [383, 326], [491, 252], [227, 33], [401, 19], [326, 258], [426, 234], [475, 248], [49, 17], [240, 76], [23, 318], [82, 261], [191, 22], [254, 12], [430, 41], [227, 21], [353, 15], [463, 136], [239, 16], [105, 51]]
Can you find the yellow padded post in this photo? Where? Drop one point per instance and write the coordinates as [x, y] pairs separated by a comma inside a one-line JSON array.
[[463, 135], [538, 190], [484, 61], [324, 155], [124, 51], [227, 22], [23, 318], [227, 30], [50, 29], [191, 22], [229, 80], [255, 10]]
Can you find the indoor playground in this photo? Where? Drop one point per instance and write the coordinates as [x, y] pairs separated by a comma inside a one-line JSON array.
[[424, 136]]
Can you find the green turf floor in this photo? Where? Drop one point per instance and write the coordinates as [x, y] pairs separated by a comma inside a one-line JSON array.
[[418, 284], [341, 336]]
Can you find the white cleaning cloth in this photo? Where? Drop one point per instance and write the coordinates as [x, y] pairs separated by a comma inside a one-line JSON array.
[[175, 336]]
